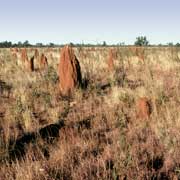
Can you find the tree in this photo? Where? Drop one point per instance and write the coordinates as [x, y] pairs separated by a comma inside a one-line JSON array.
[[170, 44], [26, 43], [6, 44], [39, 44], [141, 41], [71, 44], [104, 43], [19, 44], [51, 44], [121, 44]]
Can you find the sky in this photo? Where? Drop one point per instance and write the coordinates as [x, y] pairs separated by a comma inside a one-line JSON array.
[[89, 21]]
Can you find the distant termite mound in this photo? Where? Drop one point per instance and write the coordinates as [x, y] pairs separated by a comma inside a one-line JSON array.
[[140, 53], [29, 64], [110, 61], [43, 62], [24, 56], [36, 54]]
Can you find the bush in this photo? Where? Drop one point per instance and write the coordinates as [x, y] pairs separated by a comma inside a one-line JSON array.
[[141, 41], [51, 75]]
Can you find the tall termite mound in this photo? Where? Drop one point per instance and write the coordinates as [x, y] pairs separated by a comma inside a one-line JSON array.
[[43, 62], [69, 71], [110, 61], [29, 64], [36, 54], [24, 56]]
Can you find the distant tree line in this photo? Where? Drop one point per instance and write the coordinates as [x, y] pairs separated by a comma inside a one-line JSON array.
[[8, 44], [140, 41]]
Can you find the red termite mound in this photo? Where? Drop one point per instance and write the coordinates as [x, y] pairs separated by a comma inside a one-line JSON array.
[[143, 108], [140, 53], [30, 64], [43, 61], [24, 56], [36, 53], [69, 71], [110, 61]]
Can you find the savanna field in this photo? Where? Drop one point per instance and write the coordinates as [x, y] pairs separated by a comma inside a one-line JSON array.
[[86, 113]]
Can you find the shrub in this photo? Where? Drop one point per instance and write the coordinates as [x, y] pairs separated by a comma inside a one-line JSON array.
[[141, 41]]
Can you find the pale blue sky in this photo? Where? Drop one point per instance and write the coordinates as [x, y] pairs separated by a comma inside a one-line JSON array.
[[90, 21]]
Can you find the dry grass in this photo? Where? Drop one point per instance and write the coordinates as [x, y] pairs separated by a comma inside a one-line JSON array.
[[96, 133]]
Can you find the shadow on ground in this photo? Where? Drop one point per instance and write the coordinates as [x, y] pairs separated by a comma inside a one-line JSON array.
[[49, 134], [5, 89]]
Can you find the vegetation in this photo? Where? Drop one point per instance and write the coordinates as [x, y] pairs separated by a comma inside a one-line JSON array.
[[95, 134], [141, 41]]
